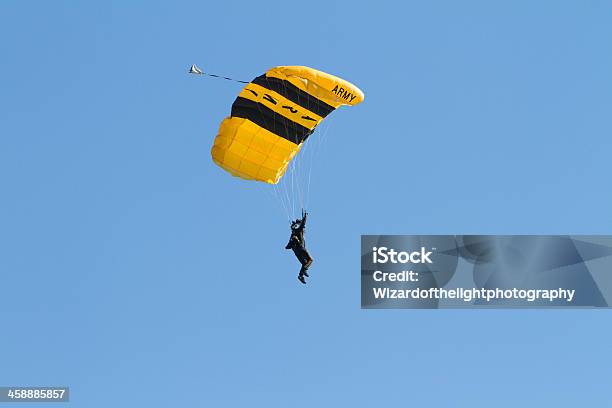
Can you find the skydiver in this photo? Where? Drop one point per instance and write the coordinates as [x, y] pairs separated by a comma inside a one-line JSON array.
[[298, 245]]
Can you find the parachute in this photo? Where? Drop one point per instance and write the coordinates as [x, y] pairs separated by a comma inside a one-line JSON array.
[[273, 116]]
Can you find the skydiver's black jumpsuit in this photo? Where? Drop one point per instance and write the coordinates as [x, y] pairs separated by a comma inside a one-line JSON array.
[[298, 245]]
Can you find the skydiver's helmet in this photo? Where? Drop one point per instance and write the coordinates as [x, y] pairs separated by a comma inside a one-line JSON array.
[[295, 224]]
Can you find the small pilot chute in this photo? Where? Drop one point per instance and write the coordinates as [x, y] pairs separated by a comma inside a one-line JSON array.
[[195, 70]]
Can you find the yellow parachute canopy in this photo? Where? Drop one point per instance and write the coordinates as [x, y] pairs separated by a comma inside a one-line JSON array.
[[273, 115]]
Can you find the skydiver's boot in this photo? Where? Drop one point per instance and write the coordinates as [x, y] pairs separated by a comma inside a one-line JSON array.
[[301, 278], [305, 267]]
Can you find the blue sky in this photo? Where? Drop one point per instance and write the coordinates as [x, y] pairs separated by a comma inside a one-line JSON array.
[[138, 273]]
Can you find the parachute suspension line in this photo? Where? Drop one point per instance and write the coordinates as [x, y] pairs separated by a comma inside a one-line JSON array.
[[302, 171], [285, 191], [272, 197], [197, 71], [280, 198], [291, 188], [293, 183], [314, 151], [313, 144], [300, 183], [283, 197], [292, 171]]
